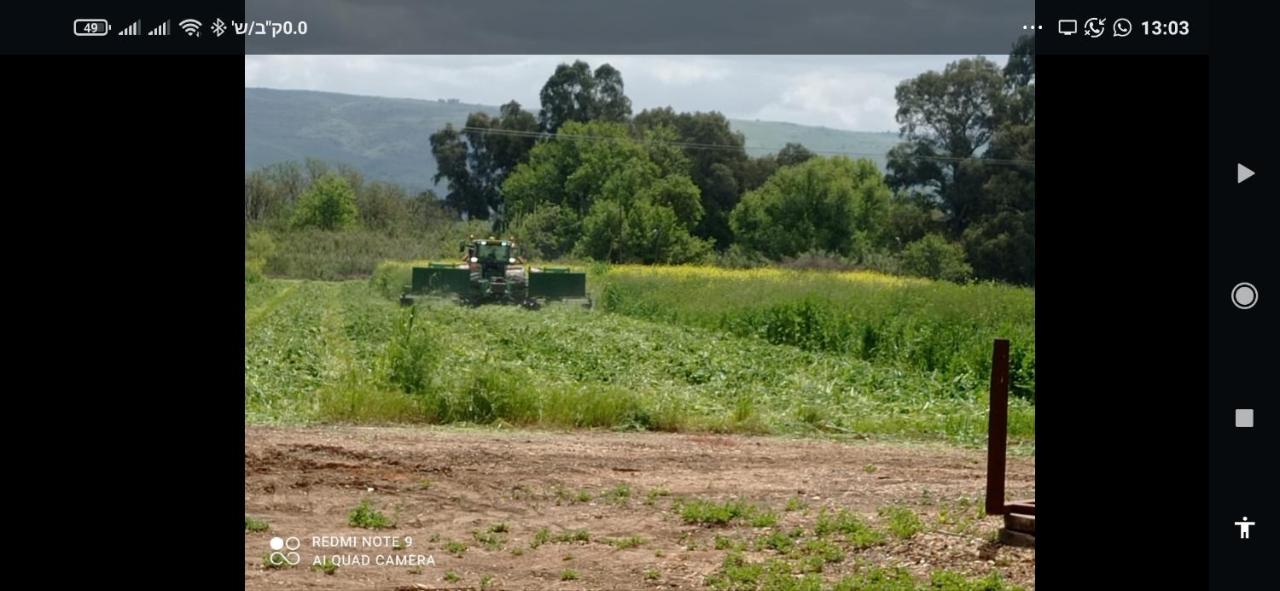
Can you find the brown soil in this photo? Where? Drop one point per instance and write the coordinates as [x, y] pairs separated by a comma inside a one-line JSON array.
[[445, 485]]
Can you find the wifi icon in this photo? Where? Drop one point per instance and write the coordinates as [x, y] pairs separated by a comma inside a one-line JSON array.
[[191, 26]]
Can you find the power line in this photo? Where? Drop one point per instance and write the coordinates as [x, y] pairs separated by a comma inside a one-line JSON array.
[[702, 146]]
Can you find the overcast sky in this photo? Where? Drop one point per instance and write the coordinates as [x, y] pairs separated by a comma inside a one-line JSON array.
[[844, 92]]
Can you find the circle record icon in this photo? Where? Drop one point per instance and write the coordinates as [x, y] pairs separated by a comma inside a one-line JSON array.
[[1244, 296]]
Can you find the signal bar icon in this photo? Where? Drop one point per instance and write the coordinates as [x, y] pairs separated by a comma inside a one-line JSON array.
[[163, 29], [133, 29]]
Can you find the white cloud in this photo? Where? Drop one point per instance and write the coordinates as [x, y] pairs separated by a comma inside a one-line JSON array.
[[845, 92]]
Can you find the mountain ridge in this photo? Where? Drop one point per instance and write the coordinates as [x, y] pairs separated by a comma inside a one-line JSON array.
[[388, 138]]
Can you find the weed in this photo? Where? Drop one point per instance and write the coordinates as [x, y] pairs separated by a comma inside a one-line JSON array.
[[364, 515], [325, 566], [628, 542], [903, 522], [255, 525]]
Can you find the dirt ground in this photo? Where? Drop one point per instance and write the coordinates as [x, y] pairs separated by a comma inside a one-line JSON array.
[[454, 485]]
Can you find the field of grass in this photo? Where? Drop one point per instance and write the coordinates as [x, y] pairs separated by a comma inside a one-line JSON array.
[[724, 357], [918, 325]]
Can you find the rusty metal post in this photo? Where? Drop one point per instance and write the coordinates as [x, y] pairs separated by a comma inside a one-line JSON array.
[[997, 426]]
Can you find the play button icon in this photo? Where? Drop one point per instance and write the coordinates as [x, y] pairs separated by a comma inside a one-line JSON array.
[[1242, 173]]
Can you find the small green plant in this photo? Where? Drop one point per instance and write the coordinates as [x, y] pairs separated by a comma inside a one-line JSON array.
[[654, 494], [424, 484], [542, 536], [255, 525], [452, 577], [364, 515], [628, 542], [517, 551], [903, 522], [417, 570], [568, 574], [619, 494], [705, 512], [326, 566], [723, 543], [870, 468], [763, 518], [434, 538], [771, 575], [490, 540], [822, 549], [854, 529], [573, 536], [582, 497], [776, 541], [486, 581], [796, 504], [651, 574], [455, 547], [960, 516], [874, 578]]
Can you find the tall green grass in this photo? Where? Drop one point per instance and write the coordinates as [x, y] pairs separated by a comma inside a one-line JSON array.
[[935, 327], [333, 255]]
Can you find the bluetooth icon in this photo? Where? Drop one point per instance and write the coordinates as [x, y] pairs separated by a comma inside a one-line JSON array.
[[218, 27]]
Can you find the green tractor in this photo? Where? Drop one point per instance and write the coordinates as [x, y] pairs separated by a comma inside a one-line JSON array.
[[493, 272]]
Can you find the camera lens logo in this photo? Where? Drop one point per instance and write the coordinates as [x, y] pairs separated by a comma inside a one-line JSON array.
[[279, 557], [191, 26]]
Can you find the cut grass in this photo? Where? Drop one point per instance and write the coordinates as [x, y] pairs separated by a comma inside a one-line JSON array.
[[340, 352]]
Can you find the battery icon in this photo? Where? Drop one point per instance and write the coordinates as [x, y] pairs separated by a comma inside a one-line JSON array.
[[91, 27]]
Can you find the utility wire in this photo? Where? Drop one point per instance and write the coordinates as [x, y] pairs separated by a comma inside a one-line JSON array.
[[702, 146]]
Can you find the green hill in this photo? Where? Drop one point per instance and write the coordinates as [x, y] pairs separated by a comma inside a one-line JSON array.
[[388, 138]]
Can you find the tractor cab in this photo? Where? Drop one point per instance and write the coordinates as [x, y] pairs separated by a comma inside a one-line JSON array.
[[489, 258]]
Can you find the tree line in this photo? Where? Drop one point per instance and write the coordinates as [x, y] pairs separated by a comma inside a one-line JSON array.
[[584, 177]]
